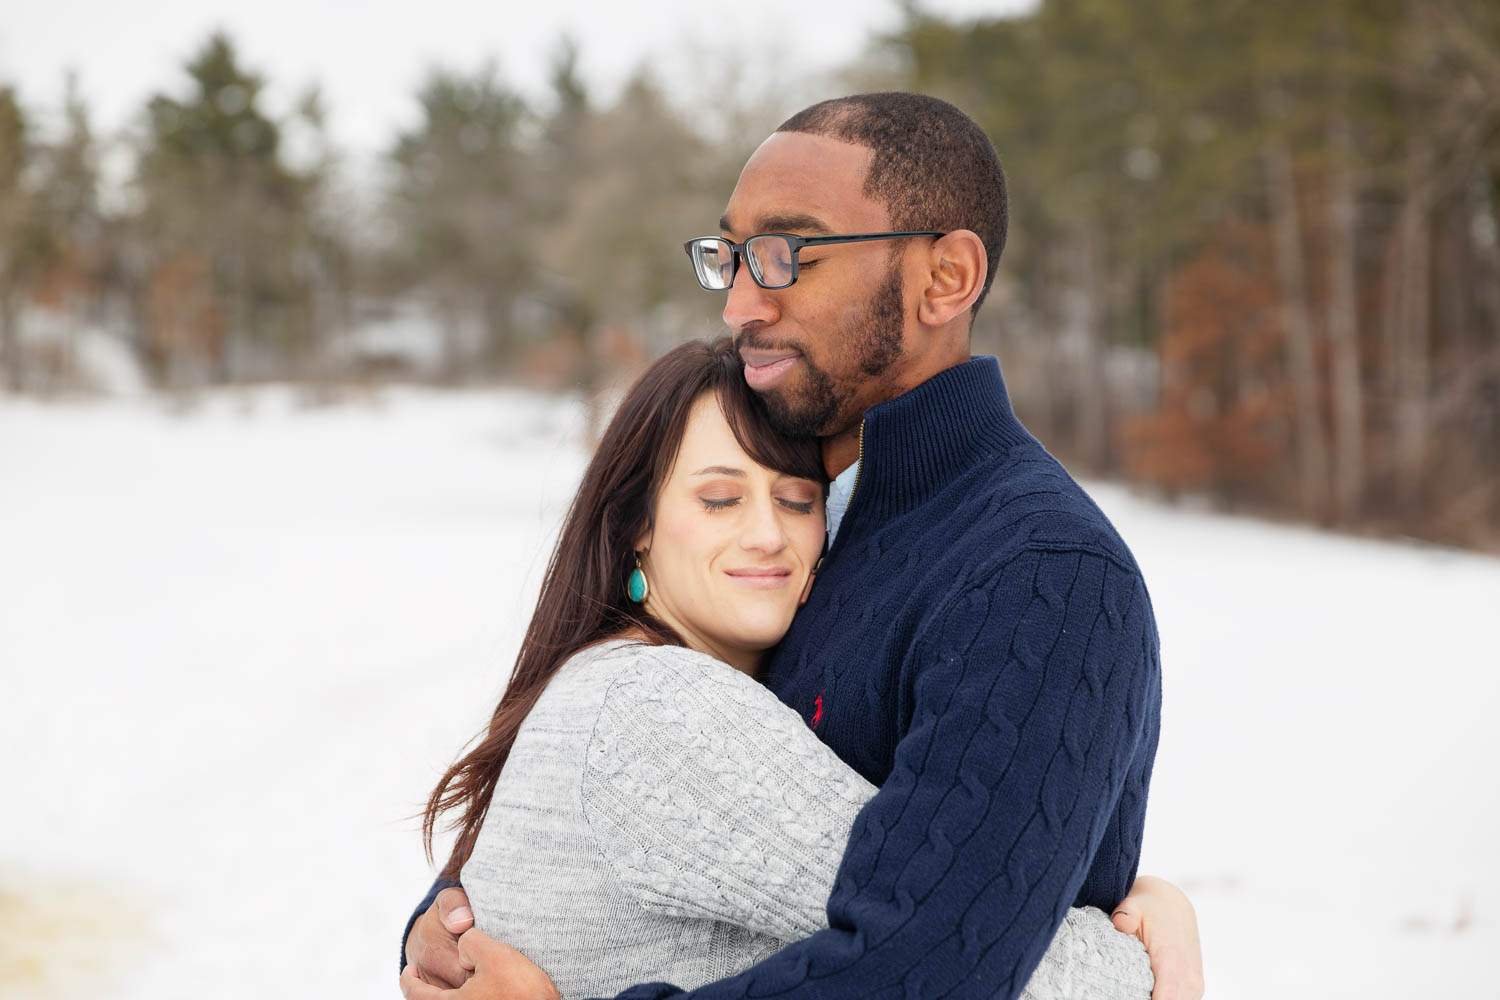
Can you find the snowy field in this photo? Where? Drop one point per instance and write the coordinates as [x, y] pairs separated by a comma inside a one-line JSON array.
[[238, 647]]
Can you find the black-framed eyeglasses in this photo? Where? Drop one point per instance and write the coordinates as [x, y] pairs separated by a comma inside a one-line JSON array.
[[772, 256]]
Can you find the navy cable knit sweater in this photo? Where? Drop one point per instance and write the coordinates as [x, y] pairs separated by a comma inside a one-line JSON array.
[[979, 644]]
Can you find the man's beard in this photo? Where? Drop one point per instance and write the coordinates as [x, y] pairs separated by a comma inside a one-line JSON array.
[[821, 409]]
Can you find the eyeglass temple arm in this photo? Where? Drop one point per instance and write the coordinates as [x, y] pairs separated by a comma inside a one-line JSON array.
[[813, 241]]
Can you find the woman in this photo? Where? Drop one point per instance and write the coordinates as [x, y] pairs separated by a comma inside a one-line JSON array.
[[641, 808]]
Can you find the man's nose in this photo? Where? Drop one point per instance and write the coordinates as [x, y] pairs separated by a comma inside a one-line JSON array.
[[747, 303]]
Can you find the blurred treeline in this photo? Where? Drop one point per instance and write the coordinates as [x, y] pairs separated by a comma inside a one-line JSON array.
[[493, 237], [1253, 249], [1253, 252]]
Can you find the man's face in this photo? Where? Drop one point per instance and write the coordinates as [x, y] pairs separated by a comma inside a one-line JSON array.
[[826, 349]]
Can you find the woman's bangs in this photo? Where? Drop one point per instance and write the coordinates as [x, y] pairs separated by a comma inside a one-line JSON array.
[[800, 457]]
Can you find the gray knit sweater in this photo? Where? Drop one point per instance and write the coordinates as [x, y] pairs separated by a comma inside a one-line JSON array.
[[662, 816]]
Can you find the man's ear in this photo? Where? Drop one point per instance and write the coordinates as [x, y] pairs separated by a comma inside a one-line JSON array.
[[957, 267]]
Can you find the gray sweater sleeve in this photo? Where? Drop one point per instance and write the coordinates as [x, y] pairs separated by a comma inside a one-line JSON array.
[[712, 799]]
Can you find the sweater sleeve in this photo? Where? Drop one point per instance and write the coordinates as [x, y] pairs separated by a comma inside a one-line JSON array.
[[712, 799], [1031, 700]]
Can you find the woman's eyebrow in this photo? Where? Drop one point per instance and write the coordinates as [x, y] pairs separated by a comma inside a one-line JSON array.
[[720, 470]]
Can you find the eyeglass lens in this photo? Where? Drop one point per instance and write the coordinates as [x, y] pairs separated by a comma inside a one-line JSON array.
[[770, 259], [713, 260]]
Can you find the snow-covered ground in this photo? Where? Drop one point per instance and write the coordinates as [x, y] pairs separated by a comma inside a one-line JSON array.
[[237, 647]]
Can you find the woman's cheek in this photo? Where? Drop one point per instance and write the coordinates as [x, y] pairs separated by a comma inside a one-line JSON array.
[[814, 532]]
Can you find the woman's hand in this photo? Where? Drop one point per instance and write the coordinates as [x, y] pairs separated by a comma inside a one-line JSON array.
[[1160, 914]]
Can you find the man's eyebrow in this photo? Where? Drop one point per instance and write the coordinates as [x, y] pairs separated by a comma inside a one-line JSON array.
[[720, 470], [782, 222], [792, 222]]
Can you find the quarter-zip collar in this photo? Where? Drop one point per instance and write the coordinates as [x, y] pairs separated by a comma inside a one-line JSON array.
[[915, 444]]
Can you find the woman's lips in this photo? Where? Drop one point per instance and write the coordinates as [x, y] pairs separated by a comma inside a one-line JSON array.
[[760, 579], [763, 369]]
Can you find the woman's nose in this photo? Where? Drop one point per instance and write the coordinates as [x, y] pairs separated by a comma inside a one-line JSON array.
[[762, 528]]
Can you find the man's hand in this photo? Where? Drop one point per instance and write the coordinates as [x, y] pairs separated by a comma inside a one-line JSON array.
[[493, 970], [432, 947], [1160, 914]]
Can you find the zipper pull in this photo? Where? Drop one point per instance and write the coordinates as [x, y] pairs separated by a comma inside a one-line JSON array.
[[807, 587]]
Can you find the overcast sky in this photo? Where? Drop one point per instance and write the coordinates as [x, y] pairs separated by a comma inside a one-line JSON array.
[[370, 57]]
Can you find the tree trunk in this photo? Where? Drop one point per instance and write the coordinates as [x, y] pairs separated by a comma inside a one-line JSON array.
[[1310, 446], [1343, 317], [1409, 338], [10, 342], [1086, 317], [450, 316], [1487, 267], [1408, 279]]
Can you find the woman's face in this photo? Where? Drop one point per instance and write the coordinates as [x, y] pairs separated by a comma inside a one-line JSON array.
[[733, 543]]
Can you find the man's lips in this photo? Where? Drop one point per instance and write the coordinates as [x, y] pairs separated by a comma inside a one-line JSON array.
[[763, 369], [760, 357]]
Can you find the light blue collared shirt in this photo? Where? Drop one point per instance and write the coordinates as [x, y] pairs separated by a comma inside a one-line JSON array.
[[840, 491]]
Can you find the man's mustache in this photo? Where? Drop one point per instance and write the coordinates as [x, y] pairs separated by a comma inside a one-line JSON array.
[[756, 340]]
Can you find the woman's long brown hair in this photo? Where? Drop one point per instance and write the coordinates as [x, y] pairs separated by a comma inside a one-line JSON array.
[[583, 597]]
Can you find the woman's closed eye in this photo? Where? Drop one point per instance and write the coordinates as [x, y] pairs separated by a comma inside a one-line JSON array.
[[712, 504]]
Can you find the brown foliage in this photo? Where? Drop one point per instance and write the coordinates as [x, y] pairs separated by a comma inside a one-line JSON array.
[[1219, 425], [185, 322]]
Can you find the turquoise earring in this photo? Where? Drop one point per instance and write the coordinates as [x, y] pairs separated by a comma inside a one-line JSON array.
[[636, 587]]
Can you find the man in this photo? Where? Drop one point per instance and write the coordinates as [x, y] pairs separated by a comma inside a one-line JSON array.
[[980, 643]]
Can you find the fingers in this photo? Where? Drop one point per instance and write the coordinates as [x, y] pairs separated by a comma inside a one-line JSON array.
[[1127, 919], [1168, 972], [1187, 977], [475, 945], [440, 965], [453, 909], [1151, 883], [468, 944], [412, 988], [434, 952], [495, 961], [1167, 924], [1162, 917], [1177, 977]]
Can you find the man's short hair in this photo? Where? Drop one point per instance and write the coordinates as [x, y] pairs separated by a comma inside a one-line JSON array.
[[933, 168]]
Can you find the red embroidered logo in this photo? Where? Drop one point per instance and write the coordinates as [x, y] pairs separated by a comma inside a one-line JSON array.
[[817, 711]]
